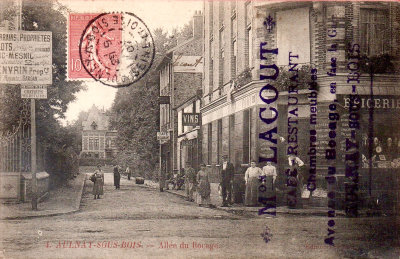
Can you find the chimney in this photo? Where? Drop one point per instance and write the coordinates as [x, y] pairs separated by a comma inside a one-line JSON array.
[[197, 25]]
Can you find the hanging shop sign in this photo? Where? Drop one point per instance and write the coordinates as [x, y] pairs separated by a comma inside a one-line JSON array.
[[162, 136], [190, 119]]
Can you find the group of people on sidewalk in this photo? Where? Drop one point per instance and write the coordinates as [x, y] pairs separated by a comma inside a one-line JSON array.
[[200, 183], [98, 179], [197, 185]]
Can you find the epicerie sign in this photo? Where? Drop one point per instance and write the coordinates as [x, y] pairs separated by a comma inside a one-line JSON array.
[[34, 91], [26, 57]]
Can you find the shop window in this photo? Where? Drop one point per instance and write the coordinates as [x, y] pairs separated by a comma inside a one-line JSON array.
[[374, 31], [246, 136], [231, 135], [219, 141]]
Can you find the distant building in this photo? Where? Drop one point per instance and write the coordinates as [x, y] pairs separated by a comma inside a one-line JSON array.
[[180, 82], [98, 140]]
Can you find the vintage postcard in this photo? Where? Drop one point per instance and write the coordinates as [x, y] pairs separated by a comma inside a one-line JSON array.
[[199, 129]]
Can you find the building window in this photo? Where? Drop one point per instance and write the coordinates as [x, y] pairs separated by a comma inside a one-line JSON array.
[[374, 31], [209, 143], [219, 141], [221, 11], [211, 17], [249, 14], [249, 47], [234, 27], [233, 6], [211, 71], [234, 45], [249, 36], [96, 144], [234, 58], [90, 143], [222, 56]]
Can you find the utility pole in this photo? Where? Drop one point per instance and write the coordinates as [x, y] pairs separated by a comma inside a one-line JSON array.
[[33, 129]]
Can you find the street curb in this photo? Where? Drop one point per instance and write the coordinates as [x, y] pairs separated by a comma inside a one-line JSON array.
[[75, 209], [78, 200]]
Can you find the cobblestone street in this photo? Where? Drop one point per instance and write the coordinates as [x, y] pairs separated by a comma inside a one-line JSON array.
[[139, 222]]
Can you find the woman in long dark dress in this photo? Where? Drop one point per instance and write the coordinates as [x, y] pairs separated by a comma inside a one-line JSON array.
[[204, 189], [251, 178], [98, 178]]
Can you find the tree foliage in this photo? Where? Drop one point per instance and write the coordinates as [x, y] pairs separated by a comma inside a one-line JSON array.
[[56, 140], [135, 111]]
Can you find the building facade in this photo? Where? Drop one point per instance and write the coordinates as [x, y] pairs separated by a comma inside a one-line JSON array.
[[180, 80], [330, 46], [189, 134], [98, 139]]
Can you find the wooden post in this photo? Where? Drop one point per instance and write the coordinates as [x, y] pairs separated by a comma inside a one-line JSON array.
[[33, 154]]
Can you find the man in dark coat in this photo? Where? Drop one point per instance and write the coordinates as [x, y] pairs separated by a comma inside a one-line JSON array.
[[227, 174], [117, 177]]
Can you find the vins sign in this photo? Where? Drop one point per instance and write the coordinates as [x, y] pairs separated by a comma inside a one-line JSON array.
[[190, 119]]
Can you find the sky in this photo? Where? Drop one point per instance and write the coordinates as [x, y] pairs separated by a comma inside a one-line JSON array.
[[155, 13]]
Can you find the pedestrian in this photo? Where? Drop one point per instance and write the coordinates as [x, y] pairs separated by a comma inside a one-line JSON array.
[[128, 172], [98, 182], [269, 174], [251, 178], [227, 175], [204, 189], [190, 181], [117, 177]]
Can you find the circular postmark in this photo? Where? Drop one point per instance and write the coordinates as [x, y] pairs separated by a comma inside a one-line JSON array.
[[116, 49]]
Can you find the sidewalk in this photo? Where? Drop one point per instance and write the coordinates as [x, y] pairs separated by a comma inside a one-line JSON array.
[[306, 210], [216, 200], [65, 199]]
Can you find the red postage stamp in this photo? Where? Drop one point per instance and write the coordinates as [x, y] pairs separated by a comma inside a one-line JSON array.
[[76, 24], [116, 49]]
